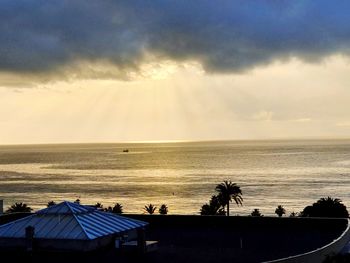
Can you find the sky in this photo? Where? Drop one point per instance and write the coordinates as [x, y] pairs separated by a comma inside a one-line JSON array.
[[114, 71]]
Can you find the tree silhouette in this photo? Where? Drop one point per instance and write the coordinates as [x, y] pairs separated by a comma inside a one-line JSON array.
[[280, 211], [51, 203], [163, 210], [98, 206], [213, 208], [19, 208], [256, 213], [150, 209], [293, 214], [228, 191], [326, 207], [117, 209]]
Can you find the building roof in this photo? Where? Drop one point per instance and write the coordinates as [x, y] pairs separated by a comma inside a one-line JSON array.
[[70, 221]]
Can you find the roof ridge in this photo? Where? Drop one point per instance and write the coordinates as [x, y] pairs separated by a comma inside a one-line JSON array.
[[76, 218], [44, 210], [67, 203]]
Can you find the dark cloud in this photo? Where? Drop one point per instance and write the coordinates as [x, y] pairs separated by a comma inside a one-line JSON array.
[[224, 36]]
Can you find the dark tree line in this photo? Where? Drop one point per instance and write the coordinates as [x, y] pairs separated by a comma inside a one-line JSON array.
[[219, 204], [326, 207]]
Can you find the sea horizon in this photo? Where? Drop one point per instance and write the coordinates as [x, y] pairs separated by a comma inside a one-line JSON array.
[[174, 141], [182, 175]]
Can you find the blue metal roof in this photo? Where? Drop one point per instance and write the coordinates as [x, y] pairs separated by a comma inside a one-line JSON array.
[[70, 221]]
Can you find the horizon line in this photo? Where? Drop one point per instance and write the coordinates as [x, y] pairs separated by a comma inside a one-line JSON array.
[[310, 138]]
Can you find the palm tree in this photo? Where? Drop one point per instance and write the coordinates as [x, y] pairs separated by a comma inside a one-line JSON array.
[[213, 208], [280, 211], [117, 209], [19, 208], [150, 209], [163, 210], [229, 191], [51, 203]]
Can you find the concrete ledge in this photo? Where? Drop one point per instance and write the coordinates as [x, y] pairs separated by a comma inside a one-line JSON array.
[[320, 254]]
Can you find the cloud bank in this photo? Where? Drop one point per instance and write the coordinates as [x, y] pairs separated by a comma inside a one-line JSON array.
[[50, 38]]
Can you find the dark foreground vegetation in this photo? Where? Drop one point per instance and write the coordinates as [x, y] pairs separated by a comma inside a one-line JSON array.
[[326, 207]]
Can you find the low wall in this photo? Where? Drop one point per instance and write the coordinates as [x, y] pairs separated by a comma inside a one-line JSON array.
[[241, 221], [320, 254], [246, 239]]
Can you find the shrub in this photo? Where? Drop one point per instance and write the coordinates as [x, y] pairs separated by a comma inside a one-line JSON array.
[[213, 208], [326, 207], [163, 210], [280, 211], [256, 213]]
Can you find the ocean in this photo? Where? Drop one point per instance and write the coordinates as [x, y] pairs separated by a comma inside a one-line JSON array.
[[183, 175]]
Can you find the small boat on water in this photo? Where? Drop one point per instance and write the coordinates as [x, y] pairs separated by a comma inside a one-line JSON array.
[[125, 150]]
